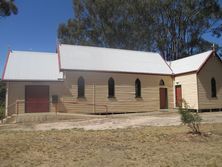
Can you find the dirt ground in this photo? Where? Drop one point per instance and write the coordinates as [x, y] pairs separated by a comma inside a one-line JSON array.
[[140, 146], [115, 122]]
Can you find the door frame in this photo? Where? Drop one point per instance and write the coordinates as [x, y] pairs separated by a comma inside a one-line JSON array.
[[26, 86], [166, 97], [176, 95]]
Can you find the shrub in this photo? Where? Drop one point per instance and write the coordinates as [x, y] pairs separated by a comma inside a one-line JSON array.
[[2, 93], [2, 112], [191, 119]]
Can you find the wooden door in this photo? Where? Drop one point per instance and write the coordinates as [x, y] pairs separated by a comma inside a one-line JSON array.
[[163, 98], [36, 98], [178, 93]]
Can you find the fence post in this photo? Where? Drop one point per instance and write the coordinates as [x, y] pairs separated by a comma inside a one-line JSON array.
[[56, 108], [94, 98], [6, 100], [17, 107]]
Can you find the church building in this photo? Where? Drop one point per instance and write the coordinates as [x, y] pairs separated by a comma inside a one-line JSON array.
[[83, 79]]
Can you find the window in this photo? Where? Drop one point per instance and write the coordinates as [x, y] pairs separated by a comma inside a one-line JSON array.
[[137, 88], [111, 88], [81, 87], [161, 83], [213, 88]]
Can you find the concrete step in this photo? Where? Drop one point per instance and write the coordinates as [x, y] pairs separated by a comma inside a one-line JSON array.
[[46, 117], [10, 120]]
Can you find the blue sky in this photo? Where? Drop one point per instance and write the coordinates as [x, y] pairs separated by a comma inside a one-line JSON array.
[[35, 26]]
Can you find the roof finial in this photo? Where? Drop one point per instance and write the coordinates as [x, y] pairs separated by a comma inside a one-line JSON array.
[[57, 41], [9, 49], [213, 47]]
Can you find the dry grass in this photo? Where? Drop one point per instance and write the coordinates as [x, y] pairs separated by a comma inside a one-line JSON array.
[[144, 146]]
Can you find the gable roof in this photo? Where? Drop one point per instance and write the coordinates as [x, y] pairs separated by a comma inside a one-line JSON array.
[[74, 57], [38, 66], [190, 64], [43, 66]]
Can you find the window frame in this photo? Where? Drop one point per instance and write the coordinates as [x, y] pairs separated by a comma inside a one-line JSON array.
[[138, 89], [111, 88], [213, 88], [81, 87], [161, 83]]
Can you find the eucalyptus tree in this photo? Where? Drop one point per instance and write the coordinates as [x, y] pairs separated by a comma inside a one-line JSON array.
[[7, 7], [174, 28]]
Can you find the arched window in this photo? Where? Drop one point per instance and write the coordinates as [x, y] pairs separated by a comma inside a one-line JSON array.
[[213, 88], [81, 87], [111, 88], [161, 83], [137, 88]]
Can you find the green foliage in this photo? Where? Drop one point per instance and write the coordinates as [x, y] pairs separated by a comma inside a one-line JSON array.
[[2, 100], [192, 120], [2, 112], [2, 93], [173, 28], [7, 7]]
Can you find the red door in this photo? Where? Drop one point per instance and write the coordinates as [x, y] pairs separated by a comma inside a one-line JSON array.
[[36, 98], [178, 92], [163, 98]]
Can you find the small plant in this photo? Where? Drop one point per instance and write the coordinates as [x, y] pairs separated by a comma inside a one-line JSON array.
[[191, 119], [2, 112]]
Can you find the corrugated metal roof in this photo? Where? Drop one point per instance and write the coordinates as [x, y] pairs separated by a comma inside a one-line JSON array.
[[74, 57], [25, 65], [42, 66], [188, 64]]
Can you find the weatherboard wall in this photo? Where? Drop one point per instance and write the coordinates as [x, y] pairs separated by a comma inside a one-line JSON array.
[[188, 84], [213, 68], [96, 92], [16, 94]]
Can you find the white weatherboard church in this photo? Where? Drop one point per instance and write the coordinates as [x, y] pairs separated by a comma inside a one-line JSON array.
[[83, 79]]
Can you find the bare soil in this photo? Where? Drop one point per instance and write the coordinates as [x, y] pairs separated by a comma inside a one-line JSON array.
[[114, 122]]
